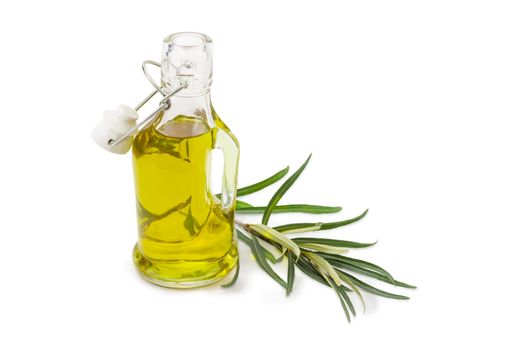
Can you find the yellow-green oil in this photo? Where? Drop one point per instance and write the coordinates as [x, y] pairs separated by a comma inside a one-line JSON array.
[[185, 235]]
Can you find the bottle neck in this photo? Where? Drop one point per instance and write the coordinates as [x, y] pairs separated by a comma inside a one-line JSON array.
[[187, 59], [196, 106]]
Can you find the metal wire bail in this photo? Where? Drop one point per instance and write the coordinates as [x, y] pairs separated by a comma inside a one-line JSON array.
[[164, 104]]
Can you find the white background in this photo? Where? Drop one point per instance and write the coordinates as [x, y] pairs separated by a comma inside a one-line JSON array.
[[404, 105]]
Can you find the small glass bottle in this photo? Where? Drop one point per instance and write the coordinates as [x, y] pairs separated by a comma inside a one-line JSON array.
[[186, 232]]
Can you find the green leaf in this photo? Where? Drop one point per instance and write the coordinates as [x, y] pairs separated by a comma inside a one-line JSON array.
[[290, 272], [290, 208], [323, 226], [360, 263], [348, 281], [368, 273], [234, 279], [259, 256], [347, 300], [309, 228], [404, 285], [373, 290], [294, 228], [337, 291], [280, 258], [323, 248], [306, 208], [307, 268], [324, 268], [243, 237], [332, 242], [262, 184], [321, 275], [331, 225], [267, 253], [276, 251], [275, 236], [281, 191], [241, 204]]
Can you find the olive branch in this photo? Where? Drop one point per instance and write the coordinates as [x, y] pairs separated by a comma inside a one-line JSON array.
[[322, 259]]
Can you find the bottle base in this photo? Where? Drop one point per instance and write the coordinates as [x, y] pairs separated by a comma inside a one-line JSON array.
[[184, 275]]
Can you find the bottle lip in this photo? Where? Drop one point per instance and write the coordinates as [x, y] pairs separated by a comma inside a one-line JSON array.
[[187, 39]]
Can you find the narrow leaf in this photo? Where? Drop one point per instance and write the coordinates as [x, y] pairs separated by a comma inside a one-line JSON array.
[[262, 184], [321, 276], [308, 269], [290, 272], [282, 190], [245, 239], [323, 226], [259, 256], [234, 279], [368, 273], [348, 281], [241, 204], [310, 228], [360, 263], [331, 225], [373, 290], [323, 267], [337, 291], [332, 242], [290, 208], [294, 228], [347, 300], [275, 236], [323, 248], [277, 253]]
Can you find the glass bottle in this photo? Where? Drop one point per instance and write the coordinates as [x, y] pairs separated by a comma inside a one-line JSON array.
[[186, 232]]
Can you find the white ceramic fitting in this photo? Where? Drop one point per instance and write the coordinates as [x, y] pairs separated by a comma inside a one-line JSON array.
[[114, 125]]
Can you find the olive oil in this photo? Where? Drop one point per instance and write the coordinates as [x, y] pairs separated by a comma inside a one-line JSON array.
[[185, 234]]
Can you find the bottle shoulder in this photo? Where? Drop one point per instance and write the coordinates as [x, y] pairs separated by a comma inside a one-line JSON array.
[[220, 124], [173, 129]]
